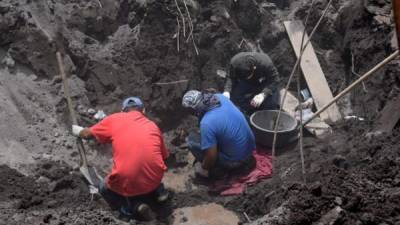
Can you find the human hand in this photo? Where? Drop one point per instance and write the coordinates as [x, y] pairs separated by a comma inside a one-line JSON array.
[[76, 130], [227, 94], [257, 100], [198, 169]]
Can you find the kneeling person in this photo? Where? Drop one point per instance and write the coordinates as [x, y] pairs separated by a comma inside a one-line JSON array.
[[138, 154], [226, 140], [252, 82]]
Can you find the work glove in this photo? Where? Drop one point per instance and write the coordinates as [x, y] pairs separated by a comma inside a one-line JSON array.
[[76, 130], [257, 100], [198, 169], [227, 94]]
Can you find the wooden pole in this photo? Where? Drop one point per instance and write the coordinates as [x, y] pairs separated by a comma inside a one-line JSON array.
[[349, 88], [396, 11]]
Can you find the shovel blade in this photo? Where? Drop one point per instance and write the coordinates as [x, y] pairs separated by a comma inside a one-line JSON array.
[[91, 175]]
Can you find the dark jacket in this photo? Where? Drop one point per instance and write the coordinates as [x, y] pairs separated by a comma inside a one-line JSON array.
[[265, 77]]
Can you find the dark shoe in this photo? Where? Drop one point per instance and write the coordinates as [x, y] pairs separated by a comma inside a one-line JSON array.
[[162, 194], [145, 212]]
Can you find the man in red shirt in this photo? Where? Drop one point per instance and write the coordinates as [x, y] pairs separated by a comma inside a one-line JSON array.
[[138, 152]]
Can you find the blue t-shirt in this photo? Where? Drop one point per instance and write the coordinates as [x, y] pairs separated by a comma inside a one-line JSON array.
[[227, 128]]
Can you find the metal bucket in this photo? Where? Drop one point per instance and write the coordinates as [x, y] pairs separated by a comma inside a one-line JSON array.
[[262, 123]]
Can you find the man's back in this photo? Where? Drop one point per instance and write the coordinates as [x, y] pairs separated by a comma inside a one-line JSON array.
[[138, 152], [265, 69], [226, 127]]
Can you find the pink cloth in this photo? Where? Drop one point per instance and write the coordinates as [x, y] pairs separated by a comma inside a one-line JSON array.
[[236, 184]]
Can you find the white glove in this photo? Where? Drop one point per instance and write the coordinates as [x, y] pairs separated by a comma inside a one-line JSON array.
[[227, 94], [257, 100], [198, 169], [76, 130]]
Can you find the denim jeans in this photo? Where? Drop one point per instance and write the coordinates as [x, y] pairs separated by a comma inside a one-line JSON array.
[[195, 148], [127, 206]]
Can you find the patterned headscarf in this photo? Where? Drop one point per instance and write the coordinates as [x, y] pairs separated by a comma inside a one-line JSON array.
[[200, 102]]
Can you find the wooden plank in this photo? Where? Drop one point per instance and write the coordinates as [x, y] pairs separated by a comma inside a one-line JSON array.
[[389, 116], [317, 127], [396, 12], [312, 72]]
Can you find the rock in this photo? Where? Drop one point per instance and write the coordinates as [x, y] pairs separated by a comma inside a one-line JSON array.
[[68, 144], [338, 200], [33, 77], [57, 141], [47, 218], [56, 79], [340, 162], [316, 189], [81, 109], [382, 20], [118, 92], [8, 61], [46, 156], [184, 219], [4, 8], [214, 18], [52, 203], [77, 87], [18, 217], [56, 134], [28, 220], [99, 115], [91, 111], [43, 179], [330, 217], [393, 41]]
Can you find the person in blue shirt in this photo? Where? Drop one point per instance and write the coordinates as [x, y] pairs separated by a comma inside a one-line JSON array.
[[226, 140]]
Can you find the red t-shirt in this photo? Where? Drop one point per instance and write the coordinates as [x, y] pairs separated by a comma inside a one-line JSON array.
[[138, 152]]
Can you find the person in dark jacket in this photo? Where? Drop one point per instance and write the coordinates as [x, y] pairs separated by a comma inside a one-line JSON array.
[[252, 83]]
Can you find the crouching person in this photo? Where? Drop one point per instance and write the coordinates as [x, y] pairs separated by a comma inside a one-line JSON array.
[[225, 141], [138, 154]]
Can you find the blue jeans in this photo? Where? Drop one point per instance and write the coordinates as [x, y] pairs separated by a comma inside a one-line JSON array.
[[194, 147], [127, 206]]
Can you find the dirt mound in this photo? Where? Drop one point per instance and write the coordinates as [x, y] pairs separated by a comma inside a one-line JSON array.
[[54, 196]]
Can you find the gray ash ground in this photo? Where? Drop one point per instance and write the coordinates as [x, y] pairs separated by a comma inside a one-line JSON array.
[[123, 48]]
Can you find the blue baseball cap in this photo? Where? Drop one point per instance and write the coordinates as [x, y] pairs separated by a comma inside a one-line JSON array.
[[132, 102]]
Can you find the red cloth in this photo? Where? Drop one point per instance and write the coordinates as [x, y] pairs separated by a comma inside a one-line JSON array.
[[236, 184], [138, 152]]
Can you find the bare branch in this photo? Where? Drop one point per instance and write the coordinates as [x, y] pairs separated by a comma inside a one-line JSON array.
[[182, 17], [172, 82], [190, 20], [194, 44], [98, 1], [177, 34], [357, 74]]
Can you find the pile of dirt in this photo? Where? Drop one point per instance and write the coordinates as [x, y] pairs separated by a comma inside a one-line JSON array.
[[54, 196]]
